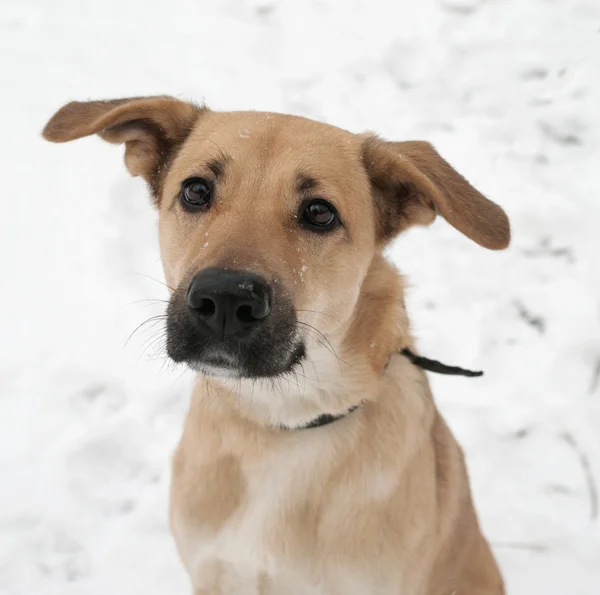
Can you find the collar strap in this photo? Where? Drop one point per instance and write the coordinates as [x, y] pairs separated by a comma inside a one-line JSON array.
[[322, 420], [431, 365]]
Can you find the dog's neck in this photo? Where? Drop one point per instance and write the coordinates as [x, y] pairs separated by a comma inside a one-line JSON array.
[[337, 375]]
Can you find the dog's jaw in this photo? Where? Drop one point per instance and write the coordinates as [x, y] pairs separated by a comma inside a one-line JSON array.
[[324, 383], [222, 365], [214, 371]]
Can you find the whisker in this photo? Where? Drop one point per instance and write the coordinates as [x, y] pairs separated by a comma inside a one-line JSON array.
[[148, 301], [152, 319], [328, 345], [322, 313], [157, 339], [155, 280]]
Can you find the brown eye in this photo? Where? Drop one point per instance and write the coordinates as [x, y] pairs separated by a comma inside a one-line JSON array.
[[319, 215], [195, 194]]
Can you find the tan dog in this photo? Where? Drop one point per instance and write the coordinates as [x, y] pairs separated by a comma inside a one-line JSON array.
[[313, 458]]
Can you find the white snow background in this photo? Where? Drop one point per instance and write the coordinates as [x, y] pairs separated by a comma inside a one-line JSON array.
[[509, 92]]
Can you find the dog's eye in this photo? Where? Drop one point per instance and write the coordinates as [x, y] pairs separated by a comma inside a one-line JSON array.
[[319, 215], [195, 194]]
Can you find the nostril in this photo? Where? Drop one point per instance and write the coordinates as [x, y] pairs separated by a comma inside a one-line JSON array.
[[206, 307], [249, 313], [244, 314]]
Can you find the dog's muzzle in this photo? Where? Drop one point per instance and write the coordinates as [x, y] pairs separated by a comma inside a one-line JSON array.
[[231, 323]]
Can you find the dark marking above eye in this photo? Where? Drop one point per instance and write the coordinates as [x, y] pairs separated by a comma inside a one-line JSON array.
[[217, 166], [306, 182]]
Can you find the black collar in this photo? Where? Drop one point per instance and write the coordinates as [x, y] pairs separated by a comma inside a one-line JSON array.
[[324, 419], [434, 366], [431, 365]]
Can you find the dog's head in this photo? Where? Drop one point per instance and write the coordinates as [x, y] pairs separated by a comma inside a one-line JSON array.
[[270, 224]]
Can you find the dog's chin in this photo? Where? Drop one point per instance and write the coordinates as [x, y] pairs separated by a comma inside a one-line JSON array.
[[215, 371], [219, 364]]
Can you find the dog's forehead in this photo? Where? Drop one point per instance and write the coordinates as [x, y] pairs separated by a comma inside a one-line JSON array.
[[271, 137]]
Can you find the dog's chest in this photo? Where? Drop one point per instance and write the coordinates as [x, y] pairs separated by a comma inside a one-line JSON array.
[[263, 539]]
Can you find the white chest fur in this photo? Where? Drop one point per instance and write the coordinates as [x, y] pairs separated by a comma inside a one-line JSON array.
[[257, 549], [242, 555]]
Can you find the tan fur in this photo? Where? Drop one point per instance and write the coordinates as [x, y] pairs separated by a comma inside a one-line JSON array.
[[379, 501]]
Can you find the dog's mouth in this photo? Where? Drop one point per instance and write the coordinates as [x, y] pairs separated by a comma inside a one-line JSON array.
[[242, 330], [222, 364]]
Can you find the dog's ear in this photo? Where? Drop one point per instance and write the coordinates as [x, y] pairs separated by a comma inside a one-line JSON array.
[[412, 183], [152, 128]]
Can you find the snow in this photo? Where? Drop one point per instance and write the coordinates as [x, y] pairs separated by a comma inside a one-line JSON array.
[[508, 90]]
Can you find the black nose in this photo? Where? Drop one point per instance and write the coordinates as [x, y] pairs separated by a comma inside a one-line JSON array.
[[228, 302]]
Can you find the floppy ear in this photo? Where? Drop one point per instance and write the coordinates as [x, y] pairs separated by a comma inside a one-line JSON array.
[[412, 183], [152, 129]]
